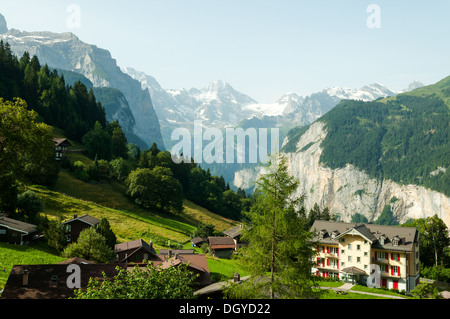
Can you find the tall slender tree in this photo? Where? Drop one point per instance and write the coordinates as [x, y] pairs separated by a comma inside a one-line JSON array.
[[279, 255]]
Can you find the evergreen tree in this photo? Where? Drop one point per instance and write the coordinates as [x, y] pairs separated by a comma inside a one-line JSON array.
[[278, 240], [104, 229]]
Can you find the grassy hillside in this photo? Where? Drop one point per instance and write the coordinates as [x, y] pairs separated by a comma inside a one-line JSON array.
[[404, 138]]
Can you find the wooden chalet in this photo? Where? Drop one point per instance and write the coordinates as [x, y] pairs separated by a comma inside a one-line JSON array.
[[222, 247], [16, 232], [77, 224], [135, 251], [61, 147]]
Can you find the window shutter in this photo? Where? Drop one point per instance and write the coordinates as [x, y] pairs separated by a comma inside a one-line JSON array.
[[398, 269], [398, 257], [337, 251], [317, 261], [328, 262], [328, 249], [392, 270], [323, 249], [392, 256], [338, 264], [375, 256]]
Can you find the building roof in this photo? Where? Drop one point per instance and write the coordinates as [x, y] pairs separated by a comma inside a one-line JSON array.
[[198, 240], [234, 231], [17, 225], [50, 281], [406, 236], [61, 141], [221, 242], [176, 251], [85, 219], [354, 271], [131, 247], [196, 262]]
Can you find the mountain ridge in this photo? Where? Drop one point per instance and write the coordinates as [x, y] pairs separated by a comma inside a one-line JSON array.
[[66, 51]]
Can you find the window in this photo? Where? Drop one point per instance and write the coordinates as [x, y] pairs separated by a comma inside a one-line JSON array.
[[358, 259], [365, 253], [342, 251], [349, 258], [2, 231], [349, 247], [358, 247], [342, 240]]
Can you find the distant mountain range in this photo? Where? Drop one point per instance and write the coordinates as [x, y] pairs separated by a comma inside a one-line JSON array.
[[218, 104], [66, 51]]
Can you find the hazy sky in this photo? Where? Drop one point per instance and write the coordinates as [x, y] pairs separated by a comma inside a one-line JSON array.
[[262, 48]]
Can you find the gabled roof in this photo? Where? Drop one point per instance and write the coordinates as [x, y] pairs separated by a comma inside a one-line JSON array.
[[372, 232], [221, 242], [235, 231], [61, 141], [196, 262], [198, 240], [17, 225], [92, 221], [361, 230], [131, 247]]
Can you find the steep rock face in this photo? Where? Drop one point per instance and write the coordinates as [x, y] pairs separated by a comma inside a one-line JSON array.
[[347, 191], [66, 51]]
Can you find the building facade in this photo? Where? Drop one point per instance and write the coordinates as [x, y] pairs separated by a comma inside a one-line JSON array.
[[382, 256]]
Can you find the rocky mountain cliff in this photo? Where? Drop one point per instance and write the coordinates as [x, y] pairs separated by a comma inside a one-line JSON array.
[[362, 156], [346, 191], [66, 51]]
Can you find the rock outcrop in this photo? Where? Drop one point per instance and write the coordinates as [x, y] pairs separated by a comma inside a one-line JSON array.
[[346, 191]]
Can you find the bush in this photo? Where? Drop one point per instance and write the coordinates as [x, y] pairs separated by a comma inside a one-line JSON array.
[[99, 170]]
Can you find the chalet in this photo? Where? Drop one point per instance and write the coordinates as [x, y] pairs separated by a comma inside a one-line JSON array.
[[135, 251], [235, 233], [61, 147], [50, 281], [196, 263], [222, 247], [198, 241], [353, 252], [16, 232], [77, 224]]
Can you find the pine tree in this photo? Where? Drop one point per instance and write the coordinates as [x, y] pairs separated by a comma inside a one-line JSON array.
[[279, 240]]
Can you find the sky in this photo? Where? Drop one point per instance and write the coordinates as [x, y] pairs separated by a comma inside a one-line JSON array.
[[263, 48]]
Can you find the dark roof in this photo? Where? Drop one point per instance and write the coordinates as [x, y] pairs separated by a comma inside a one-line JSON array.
[[61, 141], [17, 225], [407, 235], [221, 242], [198, 240], [196, 262], [235, 231], [176, 251], [85, 219], [50, 281], [134, 246]]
